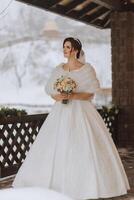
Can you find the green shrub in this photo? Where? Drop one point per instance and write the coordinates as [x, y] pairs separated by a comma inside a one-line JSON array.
[[8, 112], [110, 111]]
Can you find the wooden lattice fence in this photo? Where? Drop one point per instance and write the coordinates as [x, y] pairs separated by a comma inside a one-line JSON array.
[[17, 135]]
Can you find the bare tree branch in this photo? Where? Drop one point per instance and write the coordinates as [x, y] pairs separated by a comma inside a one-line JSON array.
[[19, 40]]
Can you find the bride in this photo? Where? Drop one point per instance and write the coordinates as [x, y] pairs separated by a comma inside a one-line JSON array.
[[74, 153]]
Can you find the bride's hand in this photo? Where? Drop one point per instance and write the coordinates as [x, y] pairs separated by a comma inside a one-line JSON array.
[[81, 96], [60, 97]]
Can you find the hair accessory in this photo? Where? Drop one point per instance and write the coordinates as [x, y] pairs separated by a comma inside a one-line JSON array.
[[77, 41]]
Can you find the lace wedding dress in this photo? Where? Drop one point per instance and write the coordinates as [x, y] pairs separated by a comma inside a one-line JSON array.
[[74, 153]]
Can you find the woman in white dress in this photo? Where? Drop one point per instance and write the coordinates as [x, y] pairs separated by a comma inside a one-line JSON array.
[[74, 153]]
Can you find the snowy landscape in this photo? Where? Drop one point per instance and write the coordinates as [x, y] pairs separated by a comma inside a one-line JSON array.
[[31, 46]]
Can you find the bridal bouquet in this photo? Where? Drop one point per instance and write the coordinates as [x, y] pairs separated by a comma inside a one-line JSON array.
[[66, 85]]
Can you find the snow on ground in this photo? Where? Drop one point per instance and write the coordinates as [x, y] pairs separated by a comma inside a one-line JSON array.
[[31, 194]]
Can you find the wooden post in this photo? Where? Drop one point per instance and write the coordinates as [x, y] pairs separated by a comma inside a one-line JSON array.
[[122, 40]]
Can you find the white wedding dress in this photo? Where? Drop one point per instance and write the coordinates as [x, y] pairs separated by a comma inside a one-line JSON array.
[[74, 153]]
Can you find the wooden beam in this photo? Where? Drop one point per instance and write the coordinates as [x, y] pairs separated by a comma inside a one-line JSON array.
[[67, 8], [108, 25], [51, 3], [94, 16], [41, 3], [82, 12], [106, 18], [88, 8], [110, 4], [129, 5], [73, 4], [97, 22]]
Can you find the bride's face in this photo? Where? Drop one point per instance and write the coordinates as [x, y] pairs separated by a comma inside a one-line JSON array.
[[68, 50]]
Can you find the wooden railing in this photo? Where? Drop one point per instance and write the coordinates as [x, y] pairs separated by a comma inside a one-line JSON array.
[[17, 135]]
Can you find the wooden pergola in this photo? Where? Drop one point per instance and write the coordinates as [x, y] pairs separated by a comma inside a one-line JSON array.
[[119, 16], [93, 12]]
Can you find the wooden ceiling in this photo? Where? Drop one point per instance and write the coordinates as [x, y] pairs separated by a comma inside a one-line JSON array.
[[93, 12]]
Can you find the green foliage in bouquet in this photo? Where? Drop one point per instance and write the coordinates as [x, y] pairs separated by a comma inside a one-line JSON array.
[[8, 112]]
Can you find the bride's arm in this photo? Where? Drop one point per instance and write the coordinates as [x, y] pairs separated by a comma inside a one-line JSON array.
[[76, 96], [59, 97], [81, 96]]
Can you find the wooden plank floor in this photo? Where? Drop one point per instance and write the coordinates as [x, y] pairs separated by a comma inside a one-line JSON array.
[[127, 156]]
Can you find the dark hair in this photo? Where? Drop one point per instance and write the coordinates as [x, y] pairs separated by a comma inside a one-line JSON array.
[[75, 43]]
